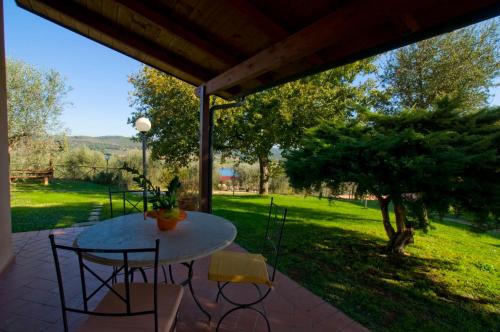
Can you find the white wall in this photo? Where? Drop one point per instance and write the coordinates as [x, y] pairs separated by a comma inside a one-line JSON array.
[[5, 217]]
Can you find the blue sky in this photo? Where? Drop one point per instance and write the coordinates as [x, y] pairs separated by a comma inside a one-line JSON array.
[[99, 102], [98, 75]]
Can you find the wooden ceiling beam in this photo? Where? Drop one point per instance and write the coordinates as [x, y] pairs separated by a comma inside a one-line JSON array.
[[267, 25], [99, 23], [187, 34], [306, 42]]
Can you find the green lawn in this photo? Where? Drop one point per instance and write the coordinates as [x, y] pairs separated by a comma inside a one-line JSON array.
[[450, 280], [63, 203], [60, 204]]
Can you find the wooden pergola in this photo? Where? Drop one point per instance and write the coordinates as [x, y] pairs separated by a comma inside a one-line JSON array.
[[232, 48]]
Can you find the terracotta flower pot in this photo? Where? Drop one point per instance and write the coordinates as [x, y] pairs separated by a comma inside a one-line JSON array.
[[167, 220]]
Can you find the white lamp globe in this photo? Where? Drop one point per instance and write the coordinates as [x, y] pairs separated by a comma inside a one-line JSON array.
[[143, 125]]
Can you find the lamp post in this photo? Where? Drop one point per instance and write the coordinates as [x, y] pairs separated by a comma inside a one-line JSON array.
[[108, 180], [107, 156], [143, 125]]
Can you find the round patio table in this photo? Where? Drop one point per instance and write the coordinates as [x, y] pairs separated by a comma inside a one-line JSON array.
[[199, 235]]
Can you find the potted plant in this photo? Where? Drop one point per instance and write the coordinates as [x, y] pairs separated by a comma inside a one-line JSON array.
[[165, 204], [168, 214]]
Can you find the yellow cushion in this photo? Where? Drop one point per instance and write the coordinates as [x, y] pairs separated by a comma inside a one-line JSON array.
[[238, 267]]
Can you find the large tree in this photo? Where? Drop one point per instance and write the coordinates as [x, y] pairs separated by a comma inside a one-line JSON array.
[[278, 117], [275, 117], [173, 109], [432, 157], [464, 63], [35, 101]]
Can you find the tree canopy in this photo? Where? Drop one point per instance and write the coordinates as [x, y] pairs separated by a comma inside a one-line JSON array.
[[275, 117], [432, 157], [35, 101], [173, 109], [463, 63]]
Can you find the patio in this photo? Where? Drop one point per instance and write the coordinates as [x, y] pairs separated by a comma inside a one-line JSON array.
[[30, 302]]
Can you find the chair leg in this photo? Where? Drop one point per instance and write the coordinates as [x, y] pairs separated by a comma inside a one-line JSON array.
[[260, 296], [164, 274], [174, 327], [188, 282], [170, 272], [65, 321], [143, 273], [220, 290], [241, 306]]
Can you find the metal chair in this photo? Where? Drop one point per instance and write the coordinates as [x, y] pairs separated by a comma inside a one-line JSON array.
[[126, 305], [228, 267], [132, 201]]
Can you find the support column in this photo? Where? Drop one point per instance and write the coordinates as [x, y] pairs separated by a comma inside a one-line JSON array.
[[5, 217], [205, 178]]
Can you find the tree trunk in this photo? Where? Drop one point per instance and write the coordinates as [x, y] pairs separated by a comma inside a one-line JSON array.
[[263, 175], [404, 234], [386, 220], [423, 216]]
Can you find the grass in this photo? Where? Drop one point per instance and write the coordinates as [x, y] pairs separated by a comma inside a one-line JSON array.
[[62, 203], [449, 281]]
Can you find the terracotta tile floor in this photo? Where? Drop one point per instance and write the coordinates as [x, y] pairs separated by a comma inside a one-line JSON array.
[[29, 298]]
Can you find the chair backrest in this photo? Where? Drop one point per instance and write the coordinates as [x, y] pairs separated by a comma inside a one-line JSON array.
[[132, 201], [104, 281], [274, 234]]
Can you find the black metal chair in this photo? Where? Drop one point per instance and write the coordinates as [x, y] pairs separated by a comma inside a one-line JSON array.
[[126, 306], [228, 267], [132, 201]]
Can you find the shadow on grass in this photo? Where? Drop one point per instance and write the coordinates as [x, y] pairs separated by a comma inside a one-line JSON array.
[[352, 271], [33, 218], [30, 218], [262, 209], [63, 203]]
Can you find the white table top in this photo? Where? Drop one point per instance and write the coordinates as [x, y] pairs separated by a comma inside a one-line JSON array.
[[199, 235]]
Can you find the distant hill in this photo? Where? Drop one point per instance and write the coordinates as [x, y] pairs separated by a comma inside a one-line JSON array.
[[109, 144], [122, 144]]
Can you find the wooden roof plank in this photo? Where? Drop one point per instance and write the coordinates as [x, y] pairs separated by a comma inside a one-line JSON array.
[[182, 32], [258, 18], [89, 18]]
